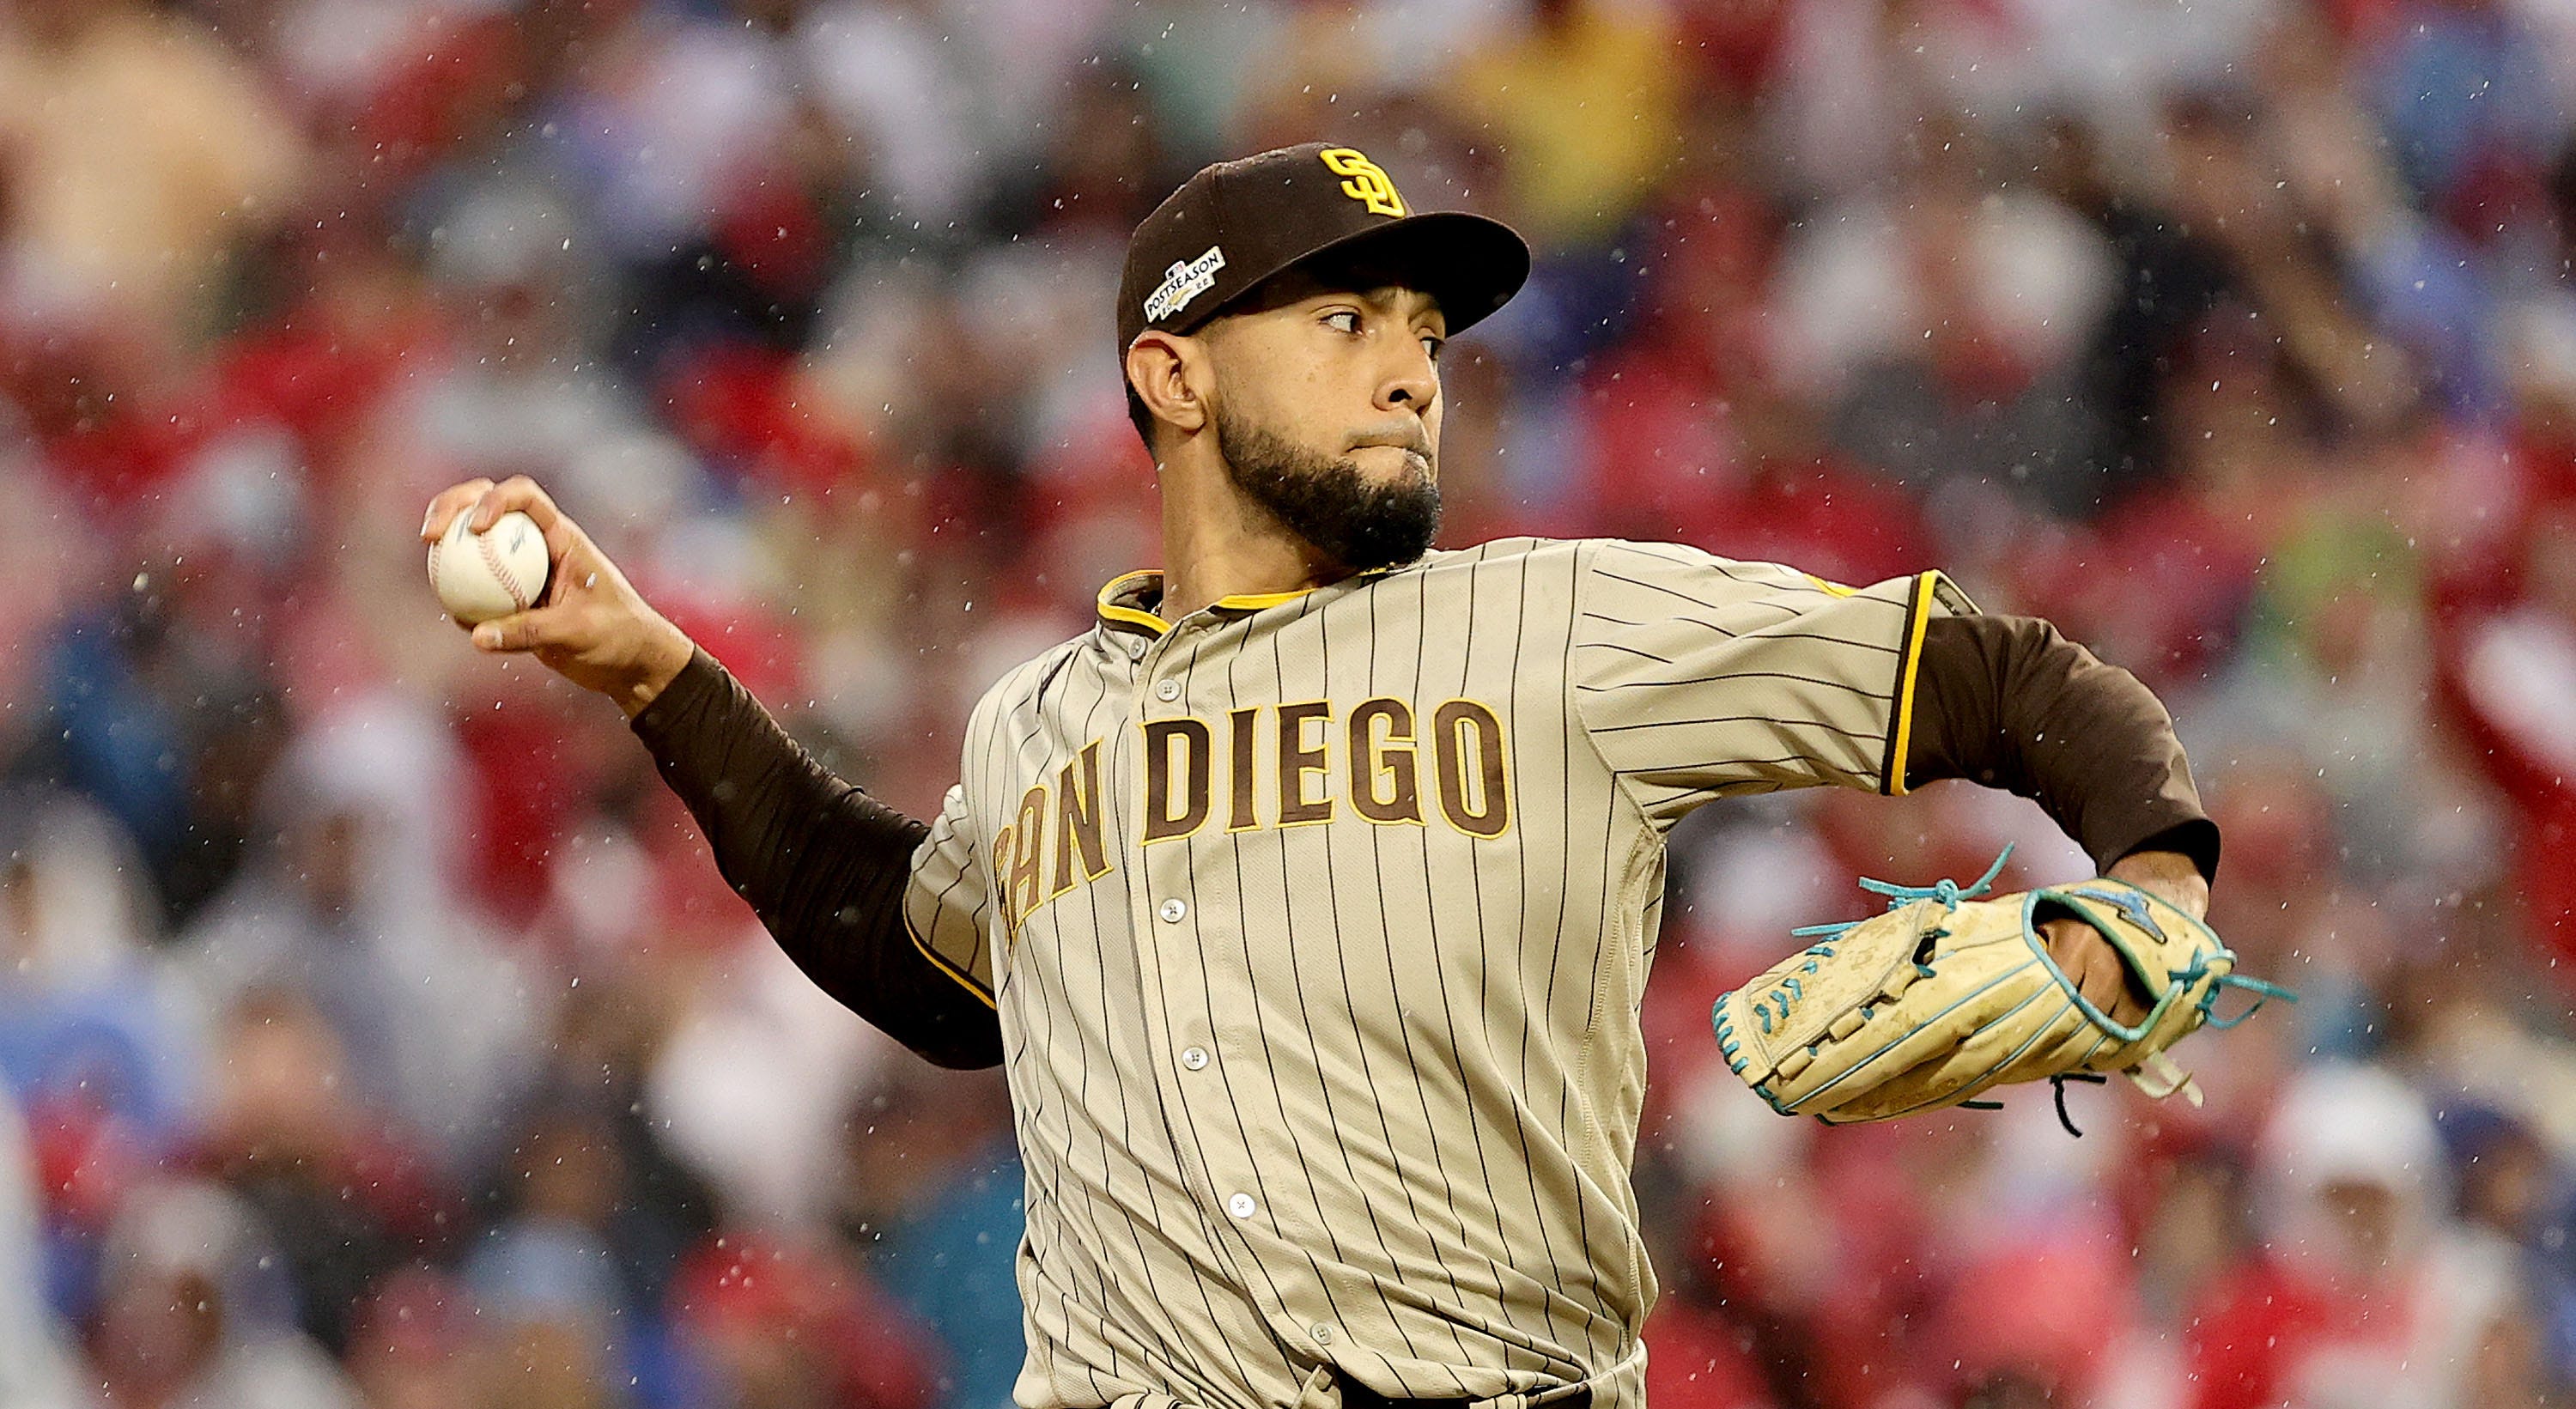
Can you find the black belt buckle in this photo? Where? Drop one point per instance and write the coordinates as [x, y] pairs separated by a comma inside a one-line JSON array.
[[1356, 1395]]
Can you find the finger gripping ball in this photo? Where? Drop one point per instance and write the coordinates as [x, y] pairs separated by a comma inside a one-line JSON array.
[[480, 576]]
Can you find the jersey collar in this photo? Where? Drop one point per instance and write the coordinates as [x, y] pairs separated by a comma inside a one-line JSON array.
[[1130, 602]]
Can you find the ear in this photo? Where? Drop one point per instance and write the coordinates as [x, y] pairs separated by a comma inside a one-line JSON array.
[[1158, 367]]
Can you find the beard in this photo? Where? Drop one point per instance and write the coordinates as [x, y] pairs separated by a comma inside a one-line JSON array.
[[1351, 519]]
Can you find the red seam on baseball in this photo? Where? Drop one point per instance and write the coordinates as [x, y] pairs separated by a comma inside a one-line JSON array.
[[500, 571]]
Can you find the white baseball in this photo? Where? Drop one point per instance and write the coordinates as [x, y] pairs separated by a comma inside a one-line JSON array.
[[479, 576]]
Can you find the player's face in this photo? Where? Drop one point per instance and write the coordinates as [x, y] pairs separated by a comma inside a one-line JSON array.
[[1327, 411]]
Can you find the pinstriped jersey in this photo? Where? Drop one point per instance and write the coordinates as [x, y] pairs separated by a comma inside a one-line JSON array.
[[1318, 924]]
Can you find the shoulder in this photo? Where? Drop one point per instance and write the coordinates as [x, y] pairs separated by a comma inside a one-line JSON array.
[[1675, 569], [1618, 566], [1625, 564]]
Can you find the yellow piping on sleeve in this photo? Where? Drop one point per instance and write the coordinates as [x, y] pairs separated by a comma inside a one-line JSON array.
[[964, 979], [1921, 617]]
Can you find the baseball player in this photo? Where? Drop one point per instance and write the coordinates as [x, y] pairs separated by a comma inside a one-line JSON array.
[[1308, 897]]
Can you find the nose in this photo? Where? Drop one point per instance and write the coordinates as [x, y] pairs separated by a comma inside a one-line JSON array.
[[1411, 382]]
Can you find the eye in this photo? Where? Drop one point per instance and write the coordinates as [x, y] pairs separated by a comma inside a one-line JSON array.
[[1337, 317], [1432, 343]]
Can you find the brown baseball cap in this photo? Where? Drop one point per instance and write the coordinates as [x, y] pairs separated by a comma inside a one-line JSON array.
[[1237, 223]]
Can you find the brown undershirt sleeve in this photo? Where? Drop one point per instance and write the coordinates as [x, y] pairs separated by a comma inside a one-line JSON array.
[[2009, 702], [823, 864]]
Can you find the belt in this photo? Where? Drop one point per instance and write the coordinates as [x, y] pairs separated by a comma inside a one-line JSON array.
[[1356, 1395]]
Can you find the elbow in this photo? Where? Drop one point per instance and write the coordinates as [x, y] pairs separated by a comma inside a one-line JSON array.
[[953, 1031], [963, 1052]]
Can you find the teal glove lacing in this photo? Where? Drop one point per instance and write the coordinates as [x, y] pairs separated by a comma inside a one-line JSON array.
[[1950, 893]]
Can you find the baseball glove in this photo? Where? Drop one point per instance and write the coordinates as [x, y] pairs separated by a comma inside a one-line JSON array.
[[1947, 995]]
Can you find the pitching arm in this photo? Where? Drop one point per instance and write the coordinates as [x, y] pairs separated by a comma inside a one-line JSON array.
[[824, 865]]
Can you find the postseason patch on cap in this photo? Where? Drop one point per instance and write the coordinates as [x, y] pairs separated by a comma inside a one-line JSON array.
[[1184, 281]]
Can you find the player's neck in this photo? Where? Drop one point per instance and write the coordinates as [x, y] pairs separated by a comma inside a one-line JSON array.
[[1218, 544]]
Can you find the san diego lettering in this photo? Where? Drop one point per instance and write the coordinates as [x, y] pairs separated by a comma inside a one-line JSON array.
[[1289, 765]]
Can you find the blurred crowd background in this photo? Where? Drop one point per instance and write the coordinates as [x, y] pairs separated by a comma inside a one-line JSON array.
[[373, 1030]]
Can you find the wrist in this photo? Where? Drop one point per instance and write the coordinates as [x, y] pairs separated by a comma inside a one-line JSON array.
[[668, 655], [2169, 874]]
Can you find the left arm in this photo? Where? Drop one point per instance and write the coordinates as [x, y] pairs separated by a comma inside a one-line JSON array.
[[1697, 677], [2011, 703]]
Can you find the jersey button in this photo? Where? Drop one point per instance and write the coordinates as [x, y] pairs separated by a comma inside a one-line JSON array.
[[1135, 650], [1241, 1205], [1323, 1333], [1168, 691], [1173, 910], [1195, 1058]]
